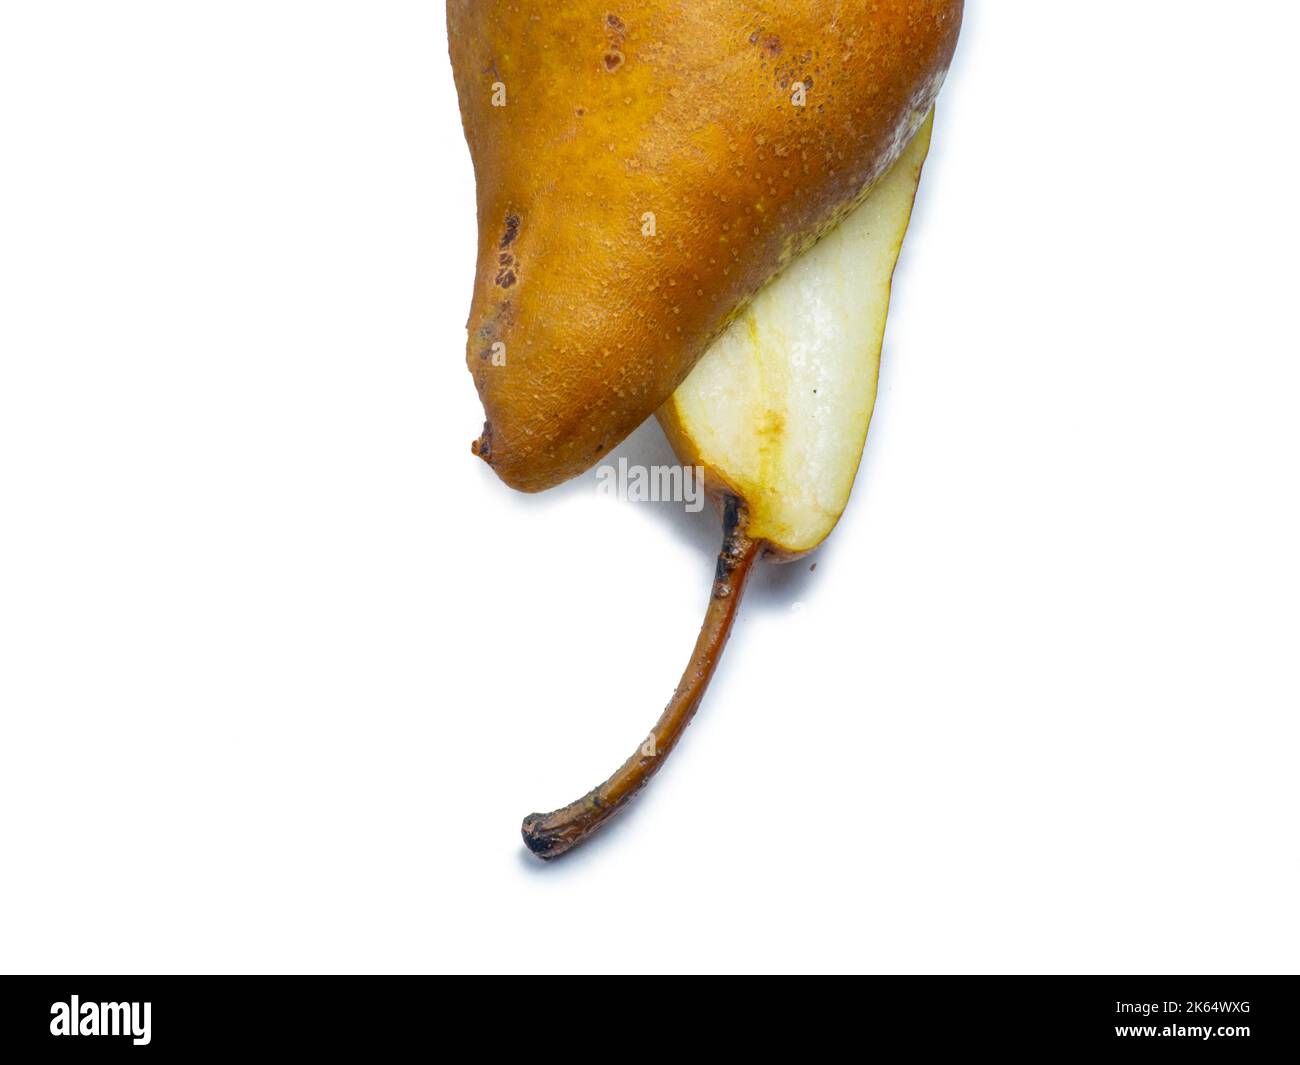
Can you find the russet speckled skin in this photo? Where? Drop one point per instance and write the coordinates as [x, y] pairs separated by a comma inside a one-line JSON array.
[[681, 110]]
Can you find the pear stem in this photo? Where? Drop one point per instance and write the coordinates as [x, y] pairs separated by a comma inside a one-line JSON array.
[[550, 835]]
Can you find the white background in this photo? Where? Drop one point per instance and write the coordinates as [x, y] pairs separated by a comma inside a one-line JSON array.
[[282, 666]]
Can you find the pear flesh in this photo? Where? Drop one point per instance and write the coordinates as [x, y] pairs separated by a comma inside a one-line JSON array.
[[777, 410]]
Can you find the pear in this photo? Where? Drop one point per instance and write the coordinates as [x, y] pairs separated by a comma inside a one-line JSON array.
[[777, 413], [644, 168]]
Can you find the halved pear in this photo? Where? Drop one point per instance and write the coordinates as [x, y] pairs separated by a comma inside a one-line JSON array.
[[777, 413]]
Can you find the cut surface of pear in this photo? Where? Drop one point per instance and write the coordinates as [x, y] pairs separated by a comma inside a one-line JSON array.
[[777, 411]]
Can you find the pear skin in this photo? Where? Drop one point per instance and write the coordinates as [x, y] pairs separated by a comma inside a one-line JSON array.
[[644, 169]]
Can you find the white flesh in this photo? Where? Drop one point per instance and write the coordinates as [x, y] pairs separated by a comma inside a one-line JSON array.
[[778, 409]]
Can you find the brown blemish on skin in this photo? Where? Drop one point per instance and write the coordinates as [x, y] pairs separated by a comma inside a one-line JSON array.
[[506, 278], [616, 34], [512, 230], [482, 447]]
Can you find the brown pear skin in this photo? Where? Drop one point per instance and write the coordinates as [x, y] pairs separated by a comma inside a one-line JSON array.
[[643, 169]]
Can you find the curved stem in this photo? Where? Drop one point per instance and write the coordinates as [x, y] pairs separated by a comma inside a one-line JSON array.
[[550, 835]]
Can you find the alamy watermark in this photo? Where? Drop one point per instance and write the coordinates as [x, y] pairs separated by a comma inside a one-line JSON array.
[[123, 1019], [653, 484]]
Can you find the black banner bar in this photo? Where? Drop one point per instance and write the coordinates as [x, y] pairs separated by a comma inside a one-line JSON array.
[[1223, 1017]]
